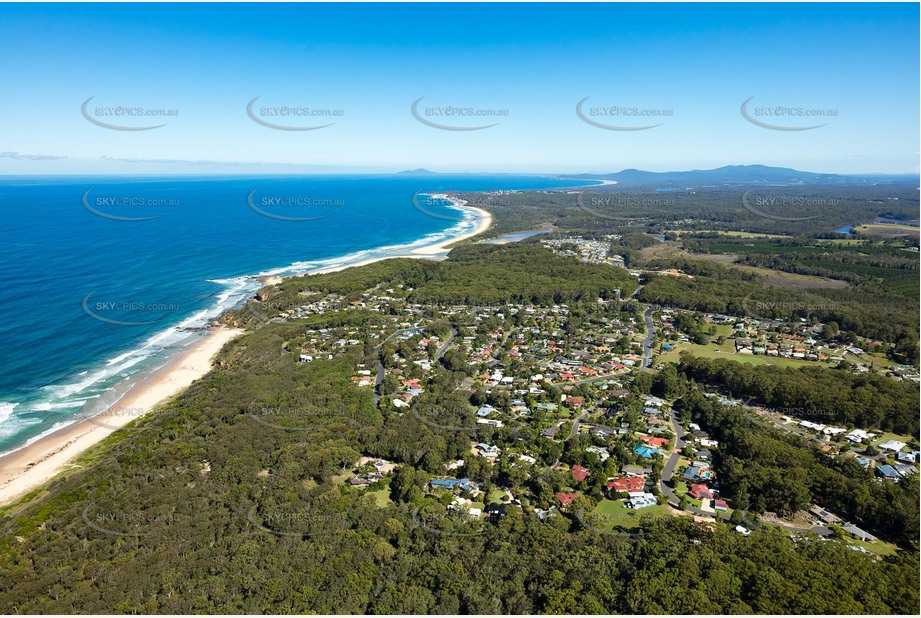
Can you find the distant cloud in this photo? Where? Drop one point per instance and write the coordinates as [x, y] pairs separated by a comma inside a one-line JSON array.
[[30, 157], [197, 162]]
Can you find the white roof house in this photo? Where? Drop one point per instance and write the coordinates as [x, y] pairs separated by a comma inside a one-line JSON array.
[[892, 445], [857, 435]]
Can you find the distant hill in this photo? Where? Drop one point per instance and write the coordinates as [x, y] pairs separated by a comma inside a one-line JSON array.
[[418, 172], [733, 175]]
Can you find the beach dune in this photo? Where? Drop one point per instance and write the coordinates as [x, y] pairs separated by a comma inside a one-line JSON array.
[[30, 467]]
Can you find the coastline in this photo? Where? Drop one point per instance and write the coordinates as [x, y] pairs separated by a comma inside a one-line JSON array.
[[434, 251], [33, 465]]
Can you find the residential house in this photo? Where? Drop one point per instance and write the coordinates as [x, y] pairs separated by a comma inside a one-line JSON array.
[[646, 452], [580, 473], [640, 500], [452, 483], [860, 534], [565, 498], [489, 451], [699, 492], [627, 483], [892, 445], [636, 471], [887, 472], [656, 442]]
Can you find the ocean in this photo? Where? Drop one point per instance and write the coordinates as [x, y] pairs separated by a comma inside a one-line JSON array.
[[104, 278]]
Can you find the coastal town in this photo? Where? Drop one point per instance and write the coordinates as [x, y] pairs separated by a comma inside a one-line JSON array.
[[430, 309], [552, 392]]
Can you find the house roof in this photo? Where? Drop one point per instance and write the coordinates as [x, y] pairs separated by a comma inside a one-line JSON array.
[[887, 471], [699, 491], [627, 483], [646, 451], [566, 498], [580, 473]]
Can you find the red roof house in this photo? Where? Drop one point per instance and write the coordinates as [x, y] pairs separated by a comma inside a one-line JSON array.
[[580, 474], [575, 402], [653, 441], [627, 483], [566, 499], [699, 492]]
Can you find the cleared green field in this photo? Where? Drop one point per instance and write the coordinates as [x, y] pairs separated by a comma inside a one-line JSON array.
[[382, 496], [727, 351], [730, 233], [886, 230], [880, 548], [612, 513], [892, 436]]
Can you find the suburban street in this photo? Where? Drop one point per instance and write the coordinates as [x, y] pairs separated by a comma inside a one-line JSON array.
[[444, 348], [668, 472], [380, 364], [669, 469], [647, 343]]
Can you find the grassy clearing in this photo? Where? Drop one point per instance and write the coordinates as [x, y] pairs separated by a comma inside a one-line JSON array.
[[881, 230], [611, 514], [891, 436], [777, 278], [727, 351], [880, 548], [382, 496]]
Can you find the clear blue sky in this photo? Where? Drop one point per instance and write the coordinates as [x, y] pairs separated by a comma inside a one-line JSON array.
[[536, 61]]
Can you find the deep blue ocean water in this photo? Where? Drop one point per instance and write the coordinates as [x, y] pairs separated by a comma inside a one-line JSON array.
[[91, 301]]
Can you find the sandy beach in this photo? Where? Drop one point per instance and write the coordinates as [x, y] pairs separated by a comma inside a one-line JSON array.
[[435, 251], [30, 467]]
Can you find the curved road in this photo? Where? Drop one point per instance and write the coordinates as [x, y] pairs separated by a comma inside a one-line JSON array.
[[380, 364], [441, 351]]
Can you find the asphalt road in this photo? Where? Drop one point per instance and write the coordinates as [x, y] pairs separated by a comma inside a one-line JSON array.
[[647, 343], [668, 472], [380, 364]]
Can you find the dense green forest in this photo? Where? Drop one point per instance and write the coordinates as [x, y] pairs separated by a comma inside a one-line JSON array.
[[878, 267], [716, 288], [478, 274], [817, 394], [781, 472], [811, 210]]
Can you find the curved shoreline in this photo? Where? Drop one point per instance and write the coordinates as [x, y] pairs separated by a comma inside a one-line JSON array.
[[33, 465]]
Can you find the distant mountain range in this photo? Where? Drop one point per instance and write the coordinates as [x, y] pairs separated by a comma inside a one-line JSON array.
[[728, 175], [738, 174]]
